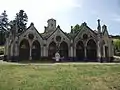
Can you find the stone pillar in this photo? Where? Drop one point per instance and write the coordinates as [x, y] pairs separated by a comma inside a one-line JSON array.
[[98, 51], [103, 51], [30, 57], [74, 51], [16, 51], [85, 53], [71, 51], [45, 49]]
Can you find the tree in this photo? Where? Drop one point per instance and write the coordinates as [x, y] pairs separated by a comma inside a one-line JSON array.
[[75, 28], [5, 23], [20, 21], [3, 27], [116, 43]]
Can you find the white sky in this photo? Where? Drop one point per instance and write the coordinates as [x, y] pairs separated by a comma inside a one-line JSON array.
[[39, 11]]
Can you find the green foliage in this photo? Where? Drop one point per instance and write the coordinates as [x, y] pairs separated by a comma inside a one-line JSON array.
[[20, 21], [1, 50], [116, 43], [2, 37], [5, 23], [60, 77], [3, 27], [75, 29]]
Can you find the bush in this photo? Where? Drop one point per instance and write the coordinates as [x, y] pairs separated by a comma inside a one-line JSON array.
[[1, 50], [117, 53]]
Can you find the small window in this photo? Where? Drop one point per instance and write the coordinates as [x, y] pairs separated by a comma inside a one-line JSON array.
[[31, 36], [85, 36], [58, 38], [51, 24]]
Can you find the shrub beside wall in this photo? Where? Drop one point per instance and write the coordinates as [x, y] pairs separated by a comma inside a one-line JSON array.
[[1, 50]]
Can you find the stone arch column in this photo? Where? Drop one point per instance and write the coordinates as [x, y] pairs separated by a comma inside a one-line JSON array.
[[71, 51], [105, 52]]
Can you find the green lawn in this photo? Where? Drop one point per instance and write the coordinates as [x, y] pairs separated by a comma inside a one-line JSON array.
[[60, 77]]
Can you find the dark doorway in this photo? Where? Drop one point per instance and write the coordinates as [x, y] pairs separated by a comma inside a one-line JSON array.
[[24, 50], [91, 50], [63, 49], [80, 51], [36, 50], [52, 50], [106, 52]]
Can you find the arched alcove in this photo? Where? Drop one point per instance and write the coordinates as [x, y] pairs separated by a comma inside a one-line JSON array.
[[36, 50], [24, 50], [51, 49], [91, 50], [80, 51], [63, 49]]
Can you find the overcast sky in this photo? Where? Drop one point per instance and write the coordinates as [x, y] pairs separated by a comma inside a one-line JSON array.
[[67, 12]]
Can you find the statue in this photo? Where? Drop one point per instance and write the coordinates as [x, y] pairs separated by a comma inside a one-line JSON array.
[[57, 56]]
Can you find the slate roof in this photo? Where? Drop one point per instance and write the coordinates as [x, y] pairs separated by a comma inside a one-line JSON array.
[[70, 35], [73, 35], [46, 35], [28, 29]]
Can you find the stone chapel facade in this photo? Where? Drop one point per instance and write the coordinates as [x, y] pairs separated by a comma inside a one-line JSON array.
[[85, 45]]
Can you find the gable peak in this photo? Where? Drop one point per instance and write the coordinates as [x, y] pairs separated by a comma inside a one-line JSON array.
[[58, 26], [32, 24], [84, 24]]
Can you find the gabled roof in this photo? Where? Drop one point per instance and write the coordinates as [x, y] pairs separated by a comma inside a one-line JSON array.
[[82, 26], [29, 28], [48, 34], [70, 35]]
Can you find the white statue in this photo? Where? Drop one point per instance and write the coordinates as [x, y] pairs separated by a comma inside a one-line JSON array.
[[57, 56]]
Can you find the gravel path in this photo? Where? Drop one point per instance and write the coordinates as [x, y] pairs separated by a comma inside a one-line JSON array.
[[67, 63]]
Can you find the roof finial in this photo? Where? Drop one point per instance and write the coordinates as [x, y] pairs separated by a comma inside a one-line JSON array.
[[58, 26], [104, 27], [32, 23], [99, 26]]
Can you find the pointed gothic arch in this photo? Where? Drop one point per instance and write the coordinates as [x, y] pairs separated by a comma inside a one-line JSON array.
[[36, 50], [63, 50], [80, 51], [91, 50], [52, 49], [24, 50]]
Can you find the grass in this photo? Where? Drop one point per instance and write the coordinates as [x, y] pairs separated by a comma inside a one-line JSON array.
[[60, 77]]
